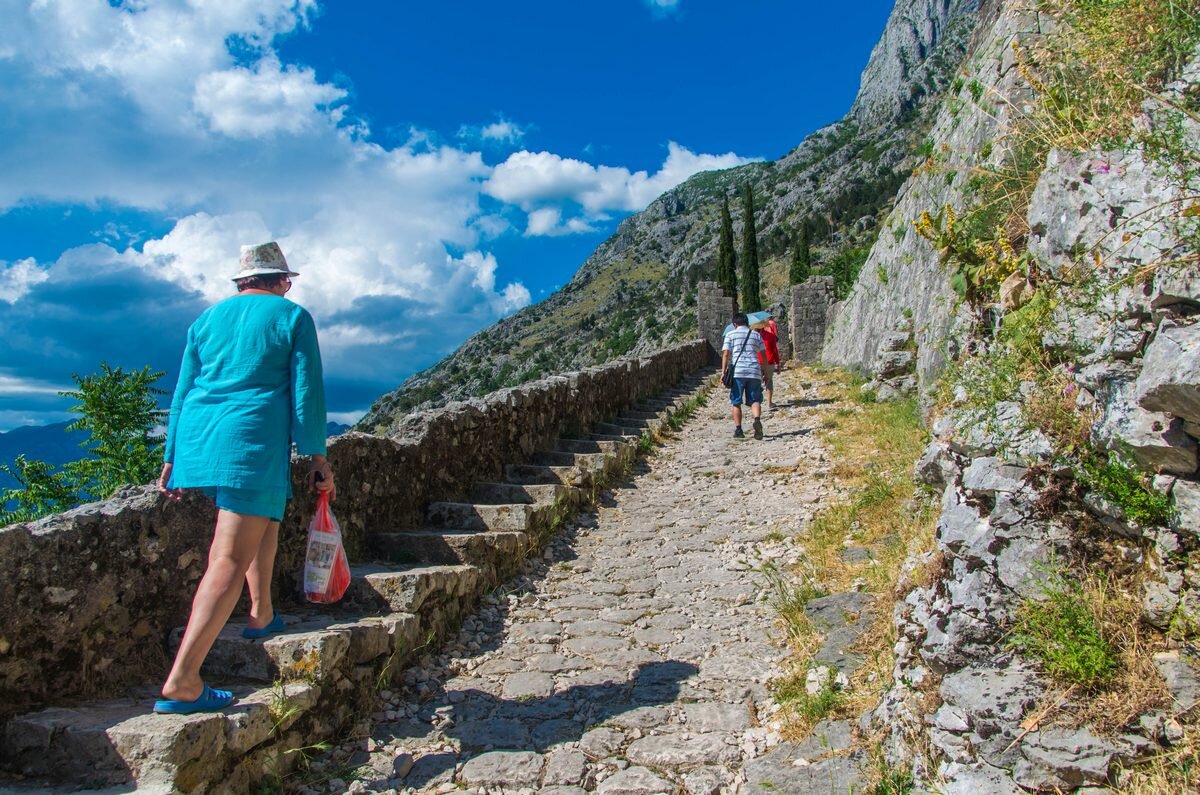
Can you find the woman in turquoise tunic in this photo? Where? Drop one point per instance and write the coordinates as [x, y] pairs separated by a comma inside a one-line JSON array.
[[249, 386]]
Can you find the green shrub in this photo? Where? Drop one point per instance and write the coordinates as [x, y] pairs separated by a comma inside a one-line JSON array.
[[1063, 631], [892, 781], [645, 444], [1126, 486]]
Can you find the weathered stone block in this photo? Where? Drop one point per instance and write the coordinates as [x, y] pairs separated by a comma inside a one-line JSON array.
[[1155, 440], [1170, 377]]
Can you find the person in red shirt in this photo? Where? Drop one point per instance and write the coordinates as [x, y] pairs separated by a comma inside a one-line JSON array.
[[768, 358]]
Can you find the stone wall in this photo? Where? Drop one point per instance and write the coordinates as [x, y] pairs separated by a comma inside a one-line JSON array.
[[714, 311], [90, 595], [812, 305]]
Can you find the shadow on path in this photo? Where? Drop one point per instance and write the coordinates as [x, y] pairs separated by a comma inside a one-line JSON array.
[[786, 434], [482, 722]]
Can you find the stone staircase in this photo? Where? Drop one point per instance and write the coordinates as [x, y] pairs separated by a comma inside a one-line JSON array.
[[319, 679]]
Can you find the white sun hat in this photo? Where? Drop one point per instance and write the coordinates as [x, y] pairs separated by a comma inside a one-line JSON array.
[[265, 259]]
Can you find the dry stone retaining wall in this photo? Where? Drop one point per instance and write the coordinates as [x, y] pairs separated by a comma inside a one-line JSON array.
[[90, 595]]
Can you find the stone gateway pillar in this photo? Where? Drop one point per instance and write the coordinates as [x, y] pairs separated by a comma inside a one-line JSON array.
[[714, 311], [812, 305]]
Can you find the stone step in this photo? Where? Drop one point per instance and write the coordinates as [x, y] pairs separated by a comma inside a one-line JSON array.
[[609, 437], [633, 422], [648, 416], [591, 462], [479, 516], [613, 429], [313, 645], [114, 743], [410, 589], [514, 493], [535, 474], [484, 549], [607, 447]]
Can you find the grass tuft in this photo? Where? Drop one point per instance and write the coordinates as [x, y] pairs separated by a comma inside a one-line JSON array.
[[1063, 630], [809, 708], [1127, 487]]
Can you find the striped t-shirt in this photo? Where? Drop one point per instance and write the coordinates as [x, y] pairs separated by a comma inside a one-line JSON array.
[[745, 360]]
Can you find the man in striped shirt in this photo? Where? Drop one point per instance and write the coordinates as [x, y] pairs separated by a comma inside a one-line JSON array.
[[741, 346]]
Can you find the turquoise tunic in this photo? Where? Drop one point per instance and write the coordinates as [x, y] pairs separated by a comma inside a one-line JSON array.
[[249, 384]]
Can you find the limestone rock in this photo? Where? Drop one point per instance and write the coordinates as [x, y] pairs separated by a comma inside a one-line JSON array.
[[775, 773], [1078, 199], [989, 475], [1176, 285], [1170, 377], [1186, 497], [1160, 599], [895, 341], [936, 467], [503, 768], [1155, 440], [1066, 758], [663, 751], [1182, 678], [635, 781], [894, 363]]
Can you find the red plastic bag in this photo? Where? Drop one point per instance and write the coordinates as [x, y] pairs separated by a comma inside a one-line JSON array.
[[326, 572]]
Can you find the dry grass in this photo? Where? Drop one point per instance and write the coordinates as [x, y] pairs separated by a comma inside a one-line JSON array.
[[1096, 71], [1176, 770], [1109, 697], [873, 446]]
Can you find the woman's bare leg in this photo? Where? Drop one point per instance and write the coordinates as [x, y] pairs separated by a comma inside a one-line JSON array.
[[236, 542], [258, 578]]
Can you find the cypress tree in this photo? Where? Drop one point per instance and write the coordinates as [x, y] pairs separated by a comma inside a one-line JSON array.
[[726, 259], [801, 257], [751, 298]]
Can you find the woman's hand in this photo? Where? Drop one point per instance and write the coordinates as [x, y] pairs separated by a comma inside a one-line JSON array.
[[164, 479], [325, 483]]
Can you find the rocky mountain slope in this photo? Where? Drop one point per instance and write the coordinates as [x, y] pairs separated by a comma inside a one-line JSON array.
[[636, 293], [1046, 256]]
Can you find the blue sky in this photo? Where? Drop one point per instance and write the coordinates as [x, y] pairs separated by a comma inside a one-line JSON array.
[[427, 167]]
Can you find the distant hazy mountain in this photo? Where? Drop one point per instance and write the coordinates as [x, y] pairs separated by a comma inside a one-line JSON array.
[[54, 444], [51, 443]]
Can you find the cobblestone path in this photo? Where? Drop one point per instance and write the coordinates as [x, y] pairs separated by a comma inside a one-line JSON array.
[[634, 657]]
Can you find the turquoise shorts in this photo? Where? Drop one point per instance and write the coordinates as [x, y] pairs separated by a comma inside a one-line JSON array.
[[250, 502]]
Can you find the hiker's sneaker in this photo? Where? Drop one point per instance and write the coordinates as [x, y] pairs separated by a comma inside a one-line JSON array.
[[757, 429], [738, 433], [770, 407]]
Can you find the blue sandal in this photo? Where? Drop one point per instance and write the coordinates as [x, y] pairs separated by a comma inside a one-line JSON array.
[[210, 701], [276, 625]]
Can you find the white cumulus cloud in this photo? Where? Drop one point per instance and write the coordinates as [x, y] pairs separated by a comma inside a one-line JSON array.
[[502, 132], [267, 99], [547, 222], [539, 182], [17, 278]]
